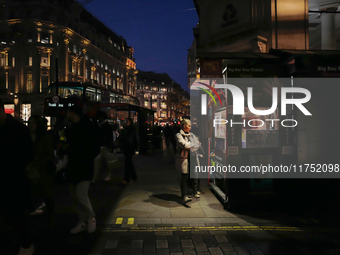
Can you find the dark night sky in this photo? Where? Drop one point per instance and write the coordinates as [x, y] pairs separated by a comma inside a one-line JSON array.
[[159, 31]]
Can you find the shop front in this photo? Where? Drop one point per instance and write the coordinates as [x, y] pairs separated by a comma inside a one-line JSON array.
[[247, 140]]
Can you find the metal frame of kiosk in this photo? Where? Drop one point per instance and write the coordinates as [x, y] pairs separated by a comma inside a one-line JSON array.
[[247, 146]]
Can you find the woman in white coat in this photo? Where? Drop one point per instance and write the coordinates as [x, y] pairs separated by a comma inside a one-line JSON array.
[[182, 155]]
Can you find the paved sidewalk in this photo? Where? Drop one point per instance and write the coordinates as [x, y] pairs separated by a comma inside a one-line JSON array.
[[147, 217]]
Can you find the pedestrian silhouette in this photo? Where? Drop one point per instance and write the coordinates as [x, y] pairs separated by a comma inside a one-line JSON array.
[[82, 149], [130, 142], [16, 151]]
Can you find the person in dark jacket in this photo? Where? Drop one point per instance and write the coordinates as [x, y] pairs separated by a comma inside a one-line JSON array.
[[43, 165], [130, 141], [105, 137], [82, 149], [16, 151]]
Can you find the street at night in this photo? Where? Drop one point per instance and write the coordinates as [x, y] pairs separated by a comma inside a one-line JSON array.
[[169, 127], [148, 217]]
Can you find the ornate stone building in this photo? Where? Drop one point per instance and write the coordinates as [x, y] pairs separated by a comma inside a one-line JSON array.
[[35, 35], [160, 93]]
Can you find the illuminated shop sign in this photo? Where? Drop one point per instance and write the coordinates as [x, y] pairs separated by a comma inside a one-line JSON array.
[[59, 105]]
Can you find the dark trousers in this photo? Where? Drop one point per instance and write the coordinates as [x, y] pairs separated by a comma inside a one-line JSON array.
[[130, 172], [196, 185], [15, 205], [184, 184]]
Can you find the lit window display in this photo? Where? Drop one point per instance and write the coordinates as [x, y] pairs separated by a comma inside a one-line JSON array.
[[9, 109], [26, 112]]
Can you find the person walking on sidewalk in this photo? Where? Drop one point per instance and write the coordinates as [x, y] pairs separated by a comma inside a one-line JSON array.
[[16, 151], [130, 142], [82, 148], [42, 168], [105, 137], [182, 156]]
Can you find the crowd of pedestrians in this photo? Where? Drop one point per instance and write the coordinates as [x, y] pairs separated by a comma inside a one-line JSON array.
[[27, 185], [84, 146]]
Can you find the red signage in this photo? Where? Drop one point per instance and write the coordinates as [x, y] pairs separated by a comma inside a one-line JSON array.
[[9, 111]]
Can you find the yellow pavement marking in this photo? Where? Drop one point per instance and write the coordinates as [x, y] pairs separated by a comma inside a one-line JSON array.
[[119, 221], [130, 221]]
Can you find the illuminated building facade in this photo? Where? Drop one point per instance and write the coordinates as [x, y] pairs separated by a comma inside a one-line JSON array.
[[160, 93], [35, 35]]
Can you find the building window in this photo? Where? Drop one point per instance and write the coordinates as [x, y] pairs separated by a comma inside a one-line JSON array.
[[163, 105], [154, 105], [29, 83], [74, 49], [92, 74], [163, 114], [155, 88], [86, 73], [163, 89], [113, 83], [3, 84], [92, 60], [44, 83], [117, 72], [44, 38], [146, 104], [11, 83], [98, 78], [2, 59], [113, 70], [44, 59], [74, 67], [98, 62], [30, 61], [106, 67], [154, 97], [13, 61], [86, 57]]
